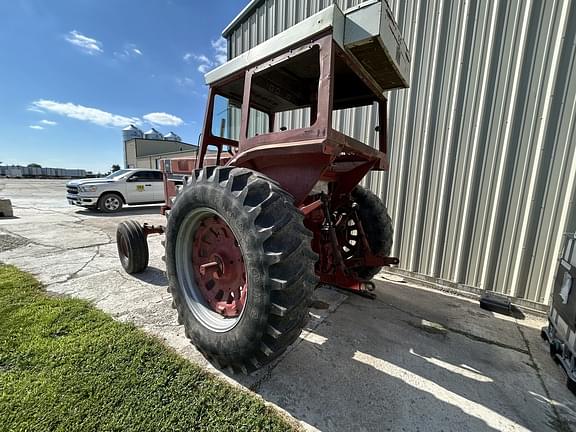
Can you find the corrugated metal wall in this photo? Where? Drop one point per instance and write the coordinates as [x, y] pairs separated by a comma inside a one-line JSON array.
[[482, 146]]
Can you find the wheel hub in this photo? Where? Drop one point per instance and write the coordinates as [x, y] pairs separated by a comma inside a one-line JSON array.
[[348, 235], [111, 203], [218, 267]]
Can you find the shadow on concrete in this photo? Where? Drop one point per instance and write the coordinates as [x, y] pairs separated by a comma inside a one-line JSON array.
[[153, 276], [409, 360], [126, 211]]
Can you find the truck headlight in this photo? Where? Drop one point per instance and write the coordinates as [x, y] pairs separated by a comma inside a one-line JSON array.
[[87, 188]]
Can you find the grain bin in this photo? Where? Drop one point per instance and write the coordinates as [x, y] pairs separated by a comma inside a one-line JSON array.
[[131, 132]]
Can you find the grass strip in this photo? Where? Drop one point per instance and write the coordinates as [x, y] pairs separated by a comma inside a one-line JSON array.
[[67, 366]]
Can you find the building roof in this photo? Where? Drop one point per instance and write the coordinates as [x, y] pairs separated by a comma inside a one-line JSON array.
[[243, 14], [147, 140]]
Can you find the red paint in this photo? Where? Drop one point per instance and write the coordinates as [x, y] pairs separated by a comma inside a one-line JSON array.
[[219, 267], [297, 159]]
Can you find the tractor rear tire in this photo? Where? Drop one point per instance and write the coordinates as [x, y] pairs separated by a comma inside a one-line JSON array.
[[377, 226], [244, 324], [132, 247]]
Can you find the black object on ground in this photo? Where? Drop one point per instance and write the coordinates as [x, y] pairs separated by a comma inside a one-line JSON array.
[[495, 303]]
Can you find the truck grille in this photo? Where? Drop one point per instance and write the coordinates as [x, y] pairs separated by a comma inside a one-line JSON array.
[[72, 190]]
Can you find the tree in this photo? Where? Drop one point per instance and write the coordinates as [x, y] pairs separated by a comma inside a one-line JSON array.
[[115, 167], [34, 165]]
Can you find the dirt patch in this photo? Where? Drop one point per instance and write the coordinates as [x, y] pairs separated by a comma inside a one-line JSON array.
[[9, 242]]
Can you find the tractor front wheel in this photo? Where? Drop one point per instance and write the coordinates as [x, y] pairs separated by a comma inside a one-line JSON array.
[[377, 226], [240, 266], [132, 246]]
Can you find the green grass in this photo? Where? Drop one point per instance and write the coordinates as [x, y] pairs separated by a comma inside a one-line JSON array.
[[66, 366]]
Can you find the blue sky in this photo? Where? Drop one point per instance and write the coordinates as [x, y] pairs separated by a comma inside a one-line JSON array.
[[73, 72]]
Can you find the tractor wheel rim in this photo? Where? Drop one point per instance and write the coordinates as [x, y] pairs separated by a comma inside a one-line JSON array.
[[111, 203], [210, 268], [347, 234]]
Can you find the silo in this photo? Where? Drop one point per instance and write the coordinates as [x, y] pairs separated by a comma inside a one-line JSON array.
[[153, 134], [171, 136], [131, 132]]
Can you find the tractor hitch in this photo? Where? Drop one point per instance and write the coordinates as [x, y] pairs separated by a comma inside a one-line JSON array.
[[343, 246], [153, 229]]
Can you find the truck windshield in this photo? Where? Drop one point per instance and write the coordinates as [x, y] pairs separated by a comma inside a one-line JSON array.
[[118, 173]]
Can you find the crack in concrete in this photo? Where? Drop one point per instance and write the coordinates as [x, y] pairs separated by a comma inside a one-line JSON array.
[[74, 274], [50, 211], [58, 248], [4, 230], [466, 334], [560, 423], [79, 220], [488, 341]]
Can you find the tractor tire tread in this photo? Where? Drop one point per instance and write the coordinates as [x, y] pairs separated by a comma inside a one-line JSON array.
[[283, 259], [138, 254], [377, 225]]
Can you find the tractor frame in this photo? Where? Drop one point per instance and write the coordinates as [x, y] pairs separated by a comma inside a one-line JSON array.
[[317, 164]]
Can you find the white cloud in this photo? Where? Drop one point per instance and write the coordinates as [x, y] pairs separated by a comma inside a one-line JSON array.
[[163, 119], [189, 57], [203, 68], [205, 63], [185, 82], [87, 44], [129, 51], [79, 112], [98, 116], [36, 127], [220, 47]]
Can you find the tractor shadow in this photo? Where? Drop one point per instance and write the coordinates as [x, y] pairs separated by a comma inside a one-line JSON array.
[[410, 360], [153, 276]]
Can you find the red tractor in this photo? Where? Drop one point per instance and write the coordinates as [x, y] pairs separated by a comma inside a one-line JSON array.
[[271, 205]]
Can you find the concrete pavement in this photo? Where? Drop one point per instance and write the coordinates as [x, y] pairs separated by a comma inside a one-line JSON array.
[[413, 359]]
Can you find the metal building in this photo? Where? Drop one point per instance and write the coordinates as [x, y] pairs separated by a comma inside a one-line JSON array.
[[482, 146], [147, 152]]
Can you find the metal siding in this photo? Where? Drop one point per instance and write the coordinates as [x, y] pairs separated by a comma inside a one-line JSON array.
[[482, 180]]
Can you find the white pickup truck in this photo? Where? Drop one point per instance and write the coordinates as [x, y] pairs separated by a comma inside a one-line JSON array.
[[109, 194]]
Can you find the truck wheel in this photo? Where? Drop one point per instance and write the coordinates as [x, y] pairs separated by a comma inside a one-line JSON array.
[[240, 266], [377, 226], [110, 203], [132, 246]]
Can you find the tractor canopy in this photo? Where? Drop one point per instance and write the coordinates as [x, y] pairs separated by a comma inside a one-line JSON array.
[[367, 33], [278, 107]]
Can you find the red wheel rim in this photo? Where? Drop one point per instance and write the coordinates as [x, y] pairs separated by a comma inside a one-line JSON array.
[[218, 265]]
